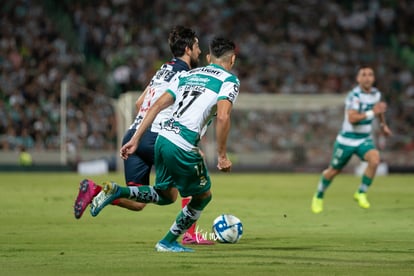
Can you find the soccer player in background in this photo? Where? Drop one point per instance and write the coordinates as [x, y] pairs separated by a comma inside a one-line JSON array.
[[185, 48], [197, 97], [362, 105]]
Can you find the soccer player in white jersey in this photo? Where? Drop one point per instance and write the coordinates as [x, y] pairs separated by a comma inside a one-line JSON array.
[[362, 106], [184, 46], [197, 97]]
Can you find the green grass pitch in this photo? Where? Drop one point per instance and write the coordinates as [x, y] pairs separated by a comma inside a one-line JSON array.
[[40, 236]]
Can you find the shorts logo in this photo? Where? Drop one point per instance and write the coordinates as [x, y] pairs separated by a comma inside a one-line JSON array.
[[203, 181]]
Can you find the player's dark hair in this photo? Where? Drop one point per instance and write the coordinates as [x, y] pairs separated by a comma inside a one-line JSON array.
[[179, 38], [363, 66], [220, 46]]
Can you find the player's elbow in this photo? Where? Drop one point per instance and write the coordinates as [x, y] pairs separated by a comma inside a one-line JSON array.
[[223, 118]]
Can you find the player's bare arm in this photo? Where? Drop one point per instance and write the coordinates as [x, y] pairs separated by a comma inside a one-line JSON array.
[[141, 98], [163, 102], [383, 125], [222, 131], [354, 116]]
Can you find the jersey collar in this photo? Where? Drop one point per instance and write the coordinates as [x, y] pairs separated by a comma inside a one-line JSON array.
[[179, 63]]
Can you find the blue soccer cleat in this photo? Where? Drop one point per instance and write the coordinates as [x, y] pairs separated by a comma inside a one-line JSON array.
[[109, 193], [163, 246]]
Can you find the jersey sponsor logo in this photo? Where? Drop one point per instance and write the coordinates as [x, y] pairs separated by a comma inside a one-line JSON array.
[[236, 88], [233, 94], [197, 80], [169, 126], [195, 88], [210, 71]]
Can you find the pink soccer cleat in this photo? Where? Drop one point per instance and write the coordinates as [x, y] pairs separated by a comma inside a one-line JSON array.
[[195, 239], [87, 191]]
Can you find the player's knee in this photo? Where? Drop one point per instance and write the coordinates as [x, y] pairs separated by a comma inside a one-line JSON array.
[[173, 194], [199, 203], [374, 162], [167, 196], [330, 173], [373, 159]]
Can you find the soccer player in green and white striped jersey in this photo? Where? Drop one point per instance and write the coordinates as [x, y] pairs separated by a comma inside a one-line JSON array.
[[198, 96], [362, 106]]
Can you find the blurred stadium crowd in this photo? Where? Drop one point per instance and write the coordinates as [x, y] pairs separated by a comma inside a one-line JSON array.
[[104, 48]]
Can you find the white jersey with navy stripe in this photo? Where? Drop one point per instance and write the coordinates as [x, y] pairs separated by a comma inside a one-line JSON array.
[[196, 94], [355, 134], [158, 85]]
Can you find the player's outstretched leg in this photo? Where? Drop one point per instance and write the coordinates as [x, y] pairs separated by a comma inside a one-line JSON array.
[[109, 193], [191, 236], [87, 191], [187, 216], [317, 200]]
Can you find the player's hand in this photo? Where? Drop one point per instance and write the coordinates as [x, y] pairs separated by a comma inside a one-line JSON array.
[[224, 164], [379, 108], [201, 153], [386, 130], [128, 149]]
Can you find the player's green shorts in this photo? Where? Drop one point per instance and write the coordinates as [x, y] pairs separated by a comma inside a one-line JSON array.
[[175, 167], [342, 154]]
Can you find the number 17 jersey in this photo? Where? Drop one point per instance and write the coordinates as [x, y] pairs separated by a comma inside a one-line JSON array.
[[196, 94]]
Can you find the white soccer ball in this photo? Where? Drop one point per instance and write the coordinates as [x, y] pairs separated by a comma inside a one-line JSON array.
[[227, 228]]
